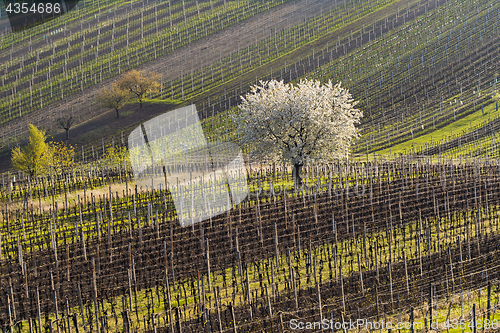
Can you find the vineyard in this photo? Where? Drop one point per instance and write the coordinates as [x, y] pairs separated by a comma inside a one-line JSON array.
[[404, 230], [130, 38], [238, 67], [355, 233]]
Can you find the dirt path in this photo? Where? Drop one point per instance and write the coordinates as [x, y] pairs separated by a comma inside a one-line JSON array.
[[210, 49]]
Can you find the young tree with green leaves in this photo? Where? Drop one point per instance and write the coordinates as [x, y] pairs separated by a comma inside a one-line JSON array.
[[33, 158], [62, 157], [117, 155]]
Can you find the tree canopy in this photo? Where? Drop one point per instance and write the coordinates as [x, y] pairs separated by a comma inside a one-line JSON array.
[[66, 123], [113, 98], [139, 83], [38, 157], [62, 157], [33, 158], [299, 123], [117, 155]]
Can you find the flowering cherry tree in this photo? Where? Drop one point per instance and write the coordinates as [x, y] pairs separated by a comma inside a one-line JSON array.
[[299, 123]]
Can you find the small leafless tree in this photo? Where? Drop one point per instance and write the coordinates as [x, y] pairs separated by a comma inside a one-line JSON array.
[[65, 123]]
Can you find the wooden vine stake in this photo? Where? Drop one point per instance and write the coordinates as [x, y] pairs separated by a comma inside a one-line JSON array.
[[389, 268], [360, 275], [376, 262], [488, 305], [11, 298], [420, 257], [412, 320], [39, 313], [318, 291], [451, 271], [430, 303], [216, 296], [406, 275], [233, 317], [208, 267], [54, 295], [80, 301], [474, 317], [295, 290], [126, 323], [273, 285], [94, 295], [169, 302], [269, 302], [342, 289]]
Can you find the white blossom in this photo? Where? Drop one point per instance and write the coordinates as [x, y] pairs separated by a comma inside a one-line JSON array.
[[299, 123]]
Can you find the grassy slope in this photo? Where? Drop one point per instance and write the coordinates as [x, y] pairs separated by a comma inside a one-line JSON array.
[[457, 127]]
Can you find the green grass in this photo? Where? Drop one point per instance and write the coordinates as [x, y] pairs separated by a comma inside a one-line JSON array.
[[445, 133], [486, 146], [157, 101]]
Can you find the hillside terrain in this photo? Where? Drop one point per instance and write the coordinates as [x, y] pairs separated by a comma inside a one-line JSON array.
[[75, 97], [405, 230]]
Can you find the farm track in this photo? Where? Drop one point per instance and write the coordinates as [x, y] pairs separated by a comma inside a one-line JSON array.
[[358, 210]]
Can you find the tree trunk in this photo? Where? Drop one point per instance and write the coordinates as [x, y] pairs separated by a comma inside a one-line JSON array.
[[67, 133], [297, 174], [117, 113], [140, 103]]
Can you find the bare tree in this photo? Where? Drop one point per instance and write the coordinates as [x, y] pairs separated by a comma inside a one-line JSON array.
[[66, 123]]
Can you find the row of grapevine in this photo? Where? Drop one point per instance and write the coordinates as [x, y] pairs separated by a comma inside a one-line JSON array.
[[414, 97], [340, 235]]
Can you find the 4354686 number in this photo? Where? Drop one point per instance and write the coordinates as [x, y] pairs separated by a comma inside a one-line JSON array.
[[35, 8]]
